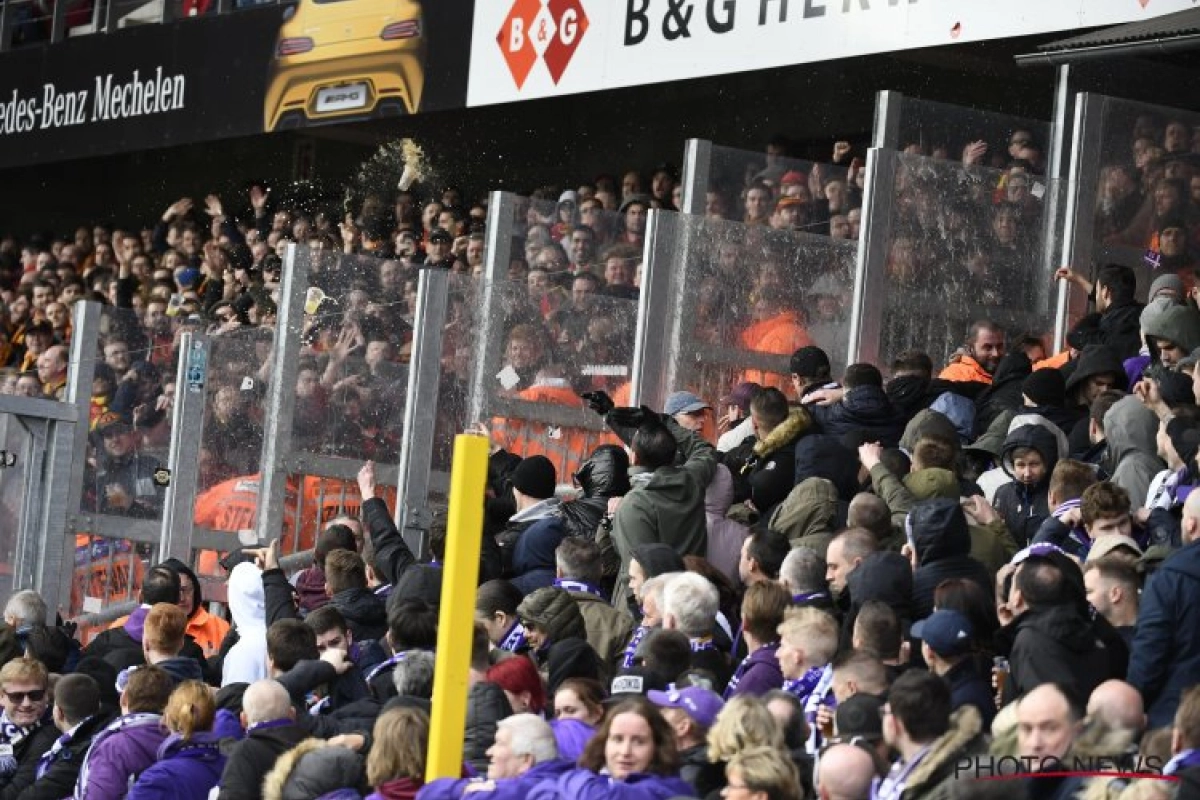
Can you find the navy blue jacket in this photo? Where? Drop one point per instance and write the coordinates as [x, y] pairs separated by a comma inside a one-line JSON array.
[[969, 688], [1165, 657], [863, 408]]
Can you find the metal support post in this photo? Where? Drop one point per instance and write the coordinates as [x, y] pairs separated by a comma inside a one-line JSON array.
[[65, 469], [886, 133], [281, 394], [501, 213], [696, 175], [1054, 217], [187, 422], [866, 311], [660, 300], [6, 25], [1078, 217], [413, 517]]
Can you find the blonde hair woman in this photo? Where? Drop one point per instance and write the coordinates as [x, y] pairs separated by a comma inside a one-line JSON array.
[[189, 761], [762, 773], [396, 765], [743, 722]]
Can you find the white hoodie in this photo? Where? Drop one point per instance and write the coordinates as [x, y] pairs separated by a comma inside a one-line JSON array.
[[246, 661]]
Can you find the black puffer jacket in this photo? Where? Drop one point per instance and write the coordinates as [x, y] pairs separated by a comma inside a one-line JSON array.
[[763, 470], [1118, 326], [1005, 392], [943, 543], [603, 476], [863, 408], [365, 613]]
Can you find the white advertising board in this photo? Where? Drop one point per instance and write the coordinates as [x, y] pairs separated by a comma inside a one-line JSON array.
[[524, 49]]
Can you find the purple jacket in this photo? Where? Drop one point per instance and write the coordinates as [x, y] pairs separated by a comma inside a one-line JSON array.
[[119, 753], [757, 674], [188, 770], [583, 784], [572, 736], [506, 788], [185, 770]]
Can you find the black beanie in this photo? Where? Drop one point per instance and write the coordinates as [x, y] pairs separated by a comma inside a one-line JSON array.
[[535, 477], [1045, 387]]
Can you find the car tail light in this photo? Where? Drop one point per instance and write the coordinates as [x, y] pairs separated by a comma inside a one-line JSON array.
[[401, 30], [294, 46]]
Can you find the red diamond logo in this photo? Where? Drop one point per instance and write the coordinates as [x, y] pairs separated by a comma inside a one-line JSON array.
[[572, 23], [515, 39]]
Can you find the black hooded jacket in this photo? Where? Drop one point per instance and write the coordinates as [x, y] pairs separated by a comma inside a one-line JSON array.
[[909, 394], [1118, 326], [885, 576], [1025, 507], [943, 544], [1005, 392], [823, 456], [1064, 642], [863, 408], [603, 476], [1094, 360]]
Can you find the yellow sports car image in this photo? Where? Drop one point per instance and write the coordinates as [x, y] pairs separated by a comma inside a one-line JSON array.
[[346, 60]]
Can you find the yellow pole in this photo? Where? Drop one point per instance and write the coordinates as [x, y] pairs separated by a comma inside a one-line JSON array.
[[456, 617]]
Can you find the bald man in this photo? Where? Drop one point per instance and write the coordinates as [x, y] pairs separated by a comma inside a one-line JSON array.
[[1047, 725], [271, 730], [1165, 654], [1119, 706], [845, 773]]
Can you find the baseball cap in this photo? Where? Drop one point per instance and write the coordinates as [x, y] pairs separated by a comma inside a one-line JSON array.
[[858, 717], [683, 403], [440, 235], [1105, 545], [809, 362], [111, 422], [700, 704], [741, 395], [946, 631], [792, 177], [635, 680]]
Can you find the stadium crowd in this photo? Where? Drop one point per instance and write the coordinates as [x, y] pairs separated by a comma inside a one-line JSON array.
[[822, 583]]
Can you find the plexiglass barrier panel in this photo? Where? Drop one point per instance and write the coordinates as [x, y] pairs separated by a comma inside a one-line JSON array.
[[105, 572], [753, 187], [460, 344], [1139, 201], [554, 343], [575, 235], [748, 296], [350, 385], [962, 244], [130, 426], [235, 391], [972, 136]]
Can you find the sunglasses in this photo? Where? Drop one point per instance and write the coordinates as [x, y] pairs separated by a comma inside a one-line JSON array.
[[35, 696]]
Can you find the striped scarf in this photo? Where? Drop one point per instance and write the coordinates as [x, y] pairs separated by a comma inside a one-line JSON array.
[[639, 633]]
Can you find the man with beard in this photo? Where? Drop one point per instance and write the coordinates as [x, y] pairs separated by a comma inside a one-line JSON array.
[[984, 348]]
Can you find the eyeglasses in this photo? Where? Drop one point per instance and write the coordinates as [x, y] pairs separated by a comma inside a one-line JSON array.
[[35, 696]]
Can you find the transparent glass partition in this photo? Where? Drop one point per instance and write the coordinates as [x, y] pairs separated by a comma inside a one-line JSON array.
[[732, 181], [744, 298], [1136, 195], [117, 527], [948, 132], [344, 383], [552, 323], [947, 245]]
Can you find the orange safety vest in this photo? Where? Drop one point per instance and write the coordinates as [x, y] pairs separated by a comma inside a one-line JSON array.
[[780, 335], [566, 447], [966, 369]]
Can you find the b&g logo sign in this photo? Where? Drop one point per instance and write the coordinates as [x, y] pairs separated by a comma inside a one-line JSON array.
[[545, 29]]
